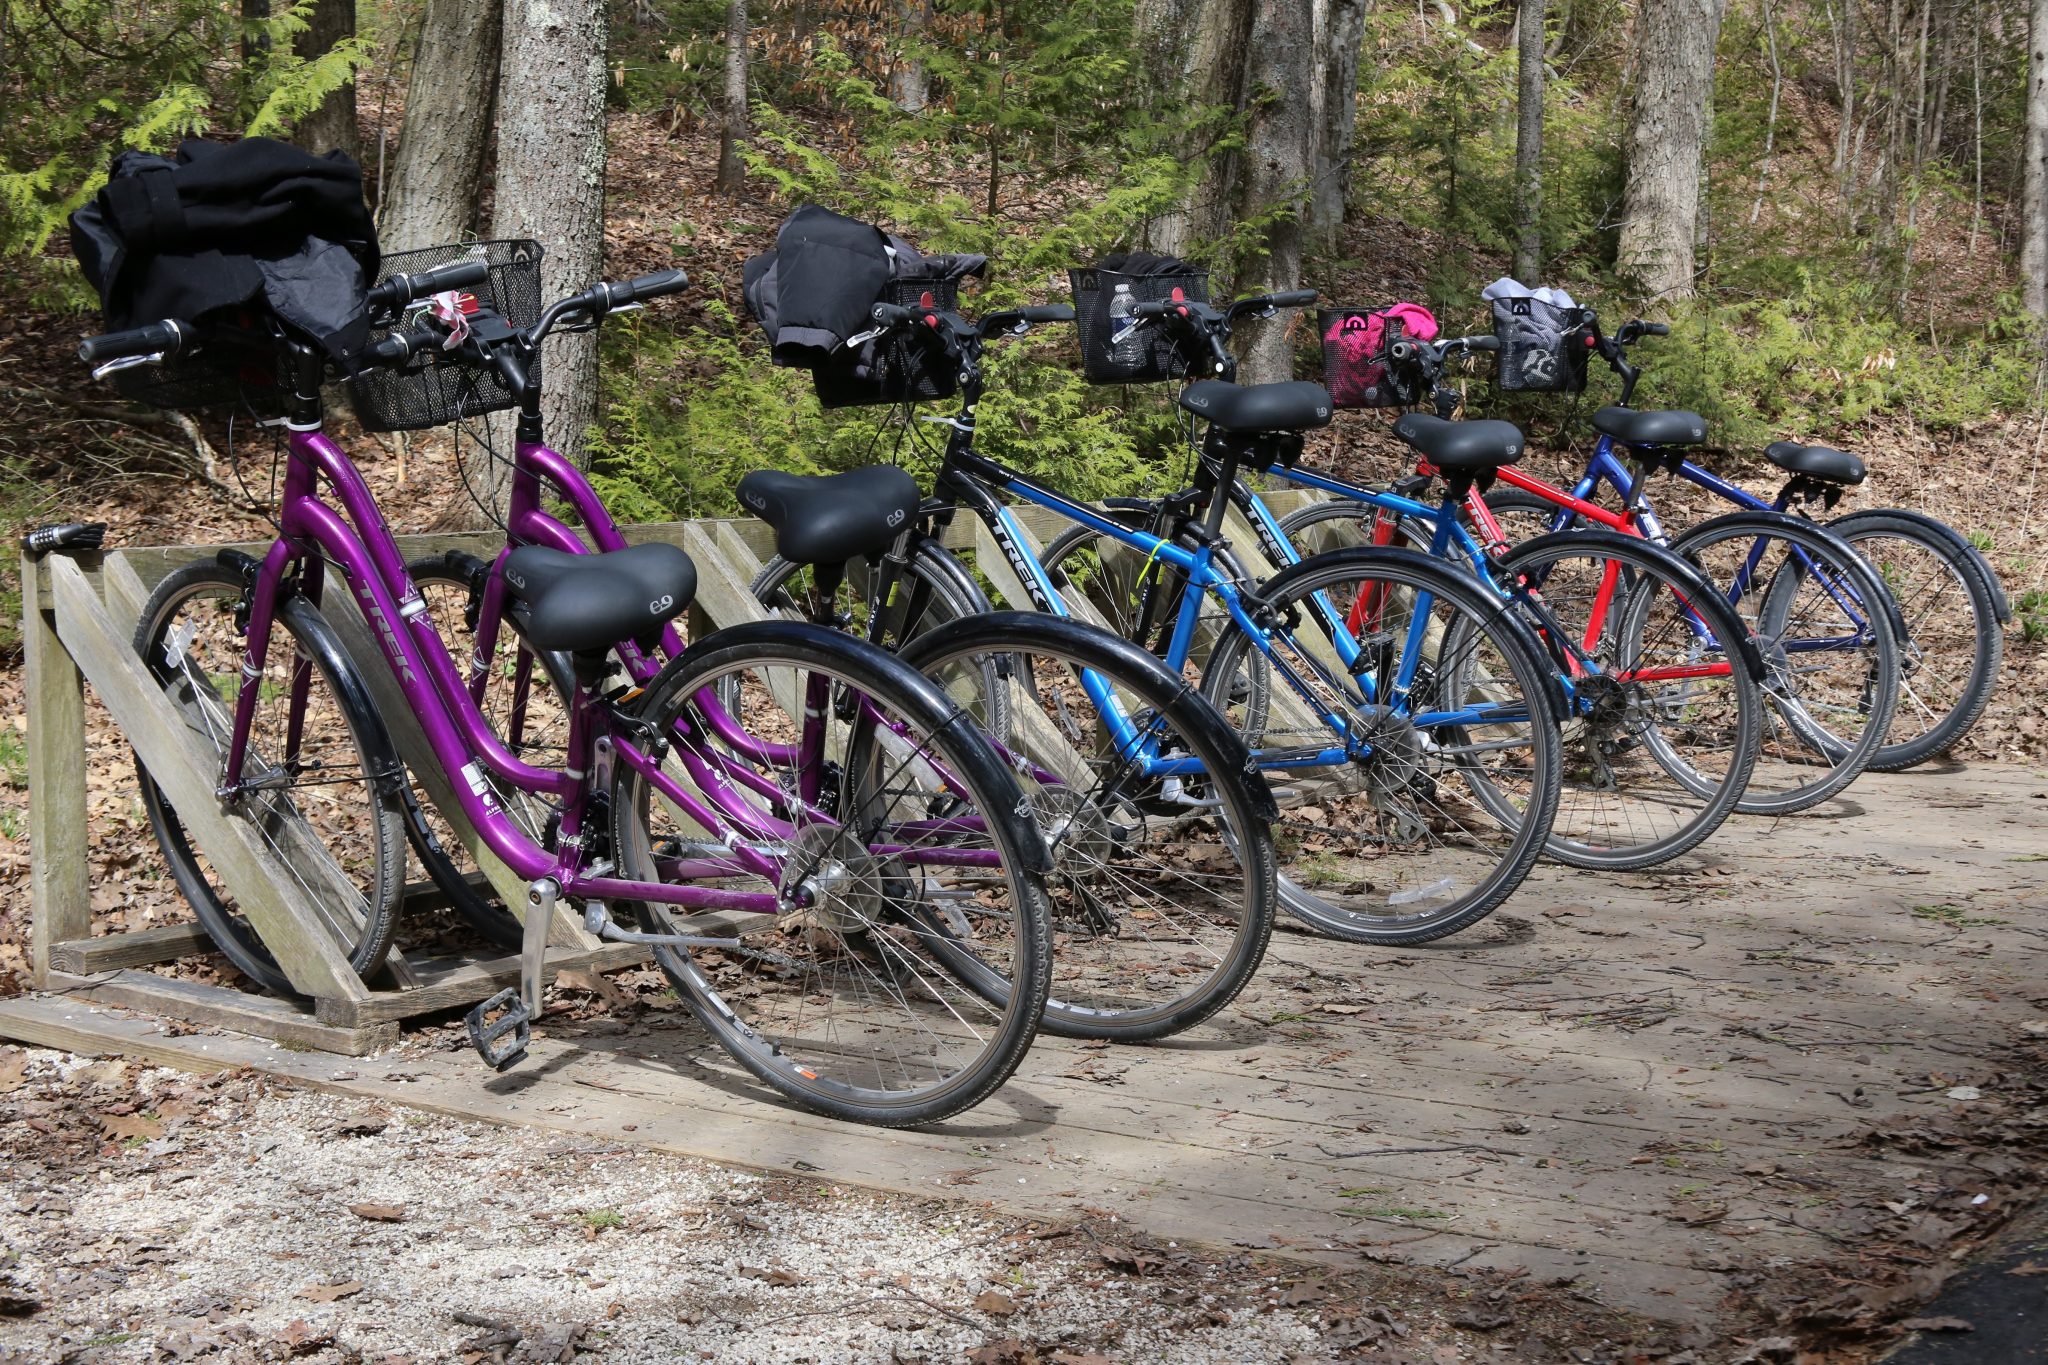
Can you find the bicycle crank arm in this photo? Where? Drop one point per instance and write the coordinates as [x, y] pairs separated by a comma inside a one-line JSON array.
[[598, 920]]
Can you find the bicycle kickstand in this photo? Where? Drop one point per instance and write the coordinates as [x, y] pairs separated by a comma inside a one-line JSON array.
[[502, 1026]]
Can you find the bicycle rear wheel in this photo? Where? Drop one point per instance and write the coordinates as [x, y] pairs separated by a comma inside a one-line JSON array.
[[1404, 816], [1162, 876], [1823, 620], [1665, 712], [1953, 639], [849, 1000], [326, 787]]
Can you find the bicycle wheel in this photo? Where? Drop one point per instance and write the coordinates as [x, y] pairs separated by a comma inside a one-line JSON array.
[[1953, 639], [1162, 879], [850, 1001], [325, 792], [1131, 593], [930, 590], [1823, 620], [1665, 717], [1403, 817]]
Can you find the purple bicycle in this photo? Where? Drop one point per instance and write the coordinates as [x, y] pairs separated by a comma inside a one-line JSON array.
[[830, 860]]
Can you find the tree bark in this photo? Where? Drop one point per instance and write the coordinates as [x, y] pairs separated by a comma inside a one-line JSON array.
[[1280, 155], [733, 122], [1529, 57], [1200, 48], [333, 125], [908, 88], [550, 185], [2034, 187], [438, 172], [1666, 141], [1340, 40]]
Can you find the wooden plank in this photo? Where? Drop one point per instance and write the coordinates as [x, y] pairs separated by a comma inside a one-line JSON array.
[[135, 948], [54, 693], [261, 1016], [183, 765], [473, 981]]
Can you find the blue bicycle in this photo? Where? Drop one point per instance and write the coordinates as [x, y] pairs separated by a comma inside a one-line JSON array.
[[1416, 765]]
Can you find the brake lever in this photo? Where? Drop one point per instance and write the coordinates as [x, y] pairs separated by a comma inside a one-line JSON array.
[[862, 338], [128, 362]]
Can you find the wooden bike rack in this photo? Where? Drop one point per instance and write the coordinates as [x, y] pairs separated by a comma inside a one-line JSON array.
[[79, 614]]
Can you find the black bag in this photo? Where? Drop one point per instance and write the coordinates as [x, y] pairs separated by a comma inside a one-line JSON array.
[[229, 236], [1542, 346], [816, 290], [1113, 350]]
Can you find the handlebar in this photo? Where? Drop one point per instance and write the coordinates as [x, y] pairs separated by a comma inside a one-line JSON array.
[[403, 289], [159, 340], [600, 299]]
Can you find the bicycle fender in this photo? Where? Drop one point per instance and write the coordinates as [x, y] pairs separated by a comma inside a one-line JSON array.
[[319, 633], [1726, 623], [1099, 648], [2000, 607]]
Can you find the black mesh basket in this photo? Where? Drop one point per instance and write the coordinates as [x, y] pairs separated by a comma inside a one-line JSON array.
[[1113, 353], [239, 364], [1542, 346], [434, 388], [1356, 369], [901, 367]]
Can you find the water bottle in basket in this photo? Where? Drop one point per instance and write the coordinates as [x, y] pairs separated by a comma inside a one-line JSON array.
[[1124, 342]]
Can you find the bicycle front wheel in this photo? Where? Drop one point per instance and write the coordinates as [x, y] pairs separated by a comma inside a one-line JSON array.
[[320, 773], [1162, 875], [1411, 741], [903, 857]]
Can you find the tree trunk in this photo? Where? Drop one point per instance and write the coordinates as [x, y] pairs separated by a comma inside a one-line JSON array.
[[550, 185], [333, 125], [1666, 140], [908, 88], [2034, 189], [1340, 39], [1529, 58], [733, 126], [1200, 49], [1280, 154], [438, 172]]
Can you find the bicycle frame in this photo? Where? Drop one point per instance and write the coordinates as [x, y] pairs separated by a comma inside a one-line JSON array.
[[971, 481], [358, 542]]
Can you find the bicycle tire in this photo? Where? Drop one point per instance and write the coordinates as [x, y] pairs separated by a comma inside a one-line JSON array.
[[1134, 864], [376, 836], [837, 930], [1408, 770], [1967, 571]]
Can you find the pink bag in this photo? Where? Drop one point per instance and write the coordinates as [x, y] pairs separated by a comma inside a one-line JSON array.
[[1355, 343]]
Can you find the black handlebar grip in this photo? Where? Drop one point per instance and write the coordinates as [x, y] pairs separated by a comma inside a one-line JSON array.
[[1156, 308], [1292, 298], [399, 347], [1483, 342], [651, 286], [166, 336], [1656, 329], [892, 315], [1047, 312], [427, 283], [1403, 350]]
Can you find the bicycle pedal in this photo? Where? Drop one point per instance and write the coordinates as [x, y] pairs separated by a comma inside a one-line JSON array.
[[502, 1041]]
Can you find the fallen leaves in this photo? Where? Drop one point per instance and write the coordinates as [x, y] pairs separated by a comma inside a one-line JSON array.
[[379, 1213], [1133, 1260], [1942, 1324], [774, 1276], [331, 1293], [995, 1303]]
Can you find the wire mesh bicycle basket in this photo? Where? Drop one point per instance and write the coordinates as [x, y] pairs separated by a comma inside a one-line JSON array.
[[1113, 351], [239, 364], [1356, 367], [901, 367], [1542, 345], [434, 387]]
